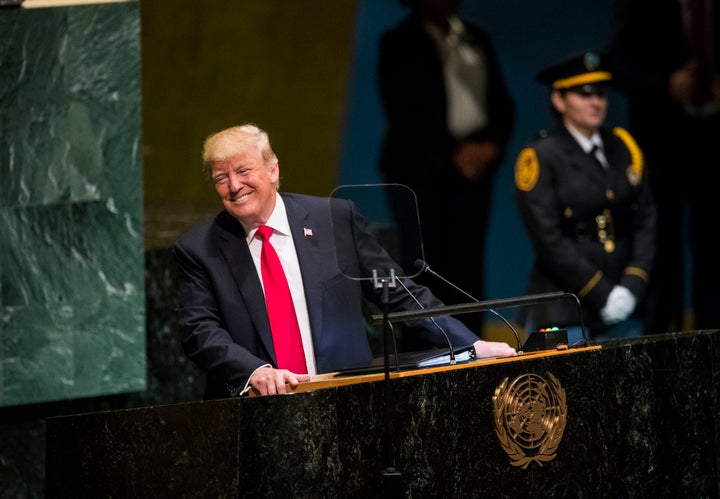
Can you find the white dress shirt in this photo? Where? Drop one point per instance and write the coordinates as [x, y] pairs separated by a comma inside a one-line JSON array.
[[594, 142], [282, 241]]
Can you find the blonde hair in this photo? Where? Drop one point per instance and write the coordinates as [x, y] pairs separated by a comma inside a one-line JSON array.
[[233, 140]]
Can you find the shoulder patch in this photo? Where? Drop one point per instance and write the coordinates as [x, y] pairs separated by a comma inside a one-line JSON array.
[[636, 167], [527, 169]]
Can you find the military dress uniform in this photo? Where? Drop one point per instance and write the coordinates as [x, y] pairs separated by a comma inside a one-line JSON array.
[[591, 226]]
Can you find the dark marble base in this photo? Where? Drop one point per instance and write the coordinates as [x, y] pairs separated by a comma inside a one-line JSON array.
[[171, 379], [642, 421]]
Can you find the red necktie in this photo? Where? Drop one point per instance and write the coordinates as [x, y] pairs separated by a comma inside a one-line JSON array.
[[281, 311]]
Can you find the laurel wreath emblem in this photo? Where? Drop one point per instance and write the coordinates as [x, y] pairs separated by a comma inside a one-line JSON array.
[[530, 416]]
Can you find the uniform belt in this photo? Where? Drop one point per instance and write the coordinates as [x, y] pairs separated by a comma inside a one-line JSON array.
[[602, 228], [590, 230]]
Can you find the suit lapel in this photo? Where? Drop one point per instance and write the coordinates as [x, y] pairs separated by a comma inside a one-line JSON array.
[[308, 238], [235, 250]]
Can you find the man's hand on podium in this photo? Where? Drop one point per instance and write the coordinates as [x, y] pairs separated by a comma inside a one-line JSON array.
[[271, 381], [485, 349]]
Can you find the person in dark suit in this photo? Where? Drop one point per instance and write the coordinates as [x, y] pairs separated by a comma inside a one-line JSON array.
[[665, 56], [321, 243], [583, 196], [449, 120]]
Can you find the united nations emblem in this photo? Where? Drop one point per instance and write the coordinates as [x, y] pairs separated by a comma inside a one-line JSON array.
[[530, 415]]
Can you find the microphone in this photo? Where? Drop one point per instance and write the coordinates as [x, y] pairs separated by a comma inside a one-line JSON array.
[[422, 266], [447, 338]]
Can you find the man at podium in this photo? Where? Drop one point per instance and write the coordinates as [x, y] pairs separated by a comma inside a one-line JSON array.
[[265, 296]]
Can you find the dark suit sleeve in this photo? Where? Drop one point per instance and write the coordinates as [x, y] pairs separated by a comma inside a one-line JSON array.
[[205, 338], [372, 256], [643, 214]]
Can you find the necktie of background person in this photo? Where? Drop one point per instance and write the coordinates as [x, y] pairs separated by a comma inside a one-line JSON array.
[[599, 155], [281, 311], [465, 79]]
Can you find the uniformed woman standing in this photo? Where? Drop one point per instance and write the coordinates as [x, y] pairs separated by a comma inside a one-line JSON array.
[[583, 197]]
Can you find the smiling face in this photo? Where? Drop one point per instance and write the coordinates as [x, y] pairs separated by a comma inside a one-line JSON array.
[[244, 172]]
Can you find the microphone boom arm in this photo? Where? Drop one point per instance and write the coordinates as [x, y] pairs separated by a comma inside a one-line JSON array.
[[479, 306]]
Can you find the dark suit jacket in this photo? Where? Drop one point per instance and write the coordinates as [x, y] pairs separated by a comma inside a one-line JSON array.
[[221, 309]]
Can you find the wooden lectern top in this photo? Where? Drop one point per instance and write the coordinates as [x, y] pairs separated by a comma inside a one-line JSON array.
[[330, 380]]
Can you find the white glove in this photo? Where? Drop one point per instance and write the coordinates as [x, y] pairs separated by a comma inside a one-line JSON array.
[[620, 304]]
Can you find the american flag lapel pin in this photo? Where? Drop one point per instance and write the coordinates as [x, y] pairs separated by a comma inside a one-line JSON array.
[[307, 232]]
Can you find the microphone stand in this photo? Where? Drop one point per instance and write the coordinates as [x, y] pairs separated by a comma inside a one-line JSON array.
[[391, 477], [442, 331]]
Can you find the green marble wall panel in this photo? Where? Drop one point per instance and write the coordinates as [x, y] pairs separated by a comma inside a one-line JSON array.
[[72, 295]]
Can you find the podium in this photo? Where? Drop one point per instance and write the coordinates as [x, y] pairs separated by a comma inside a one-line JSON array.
[[640, 419]]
